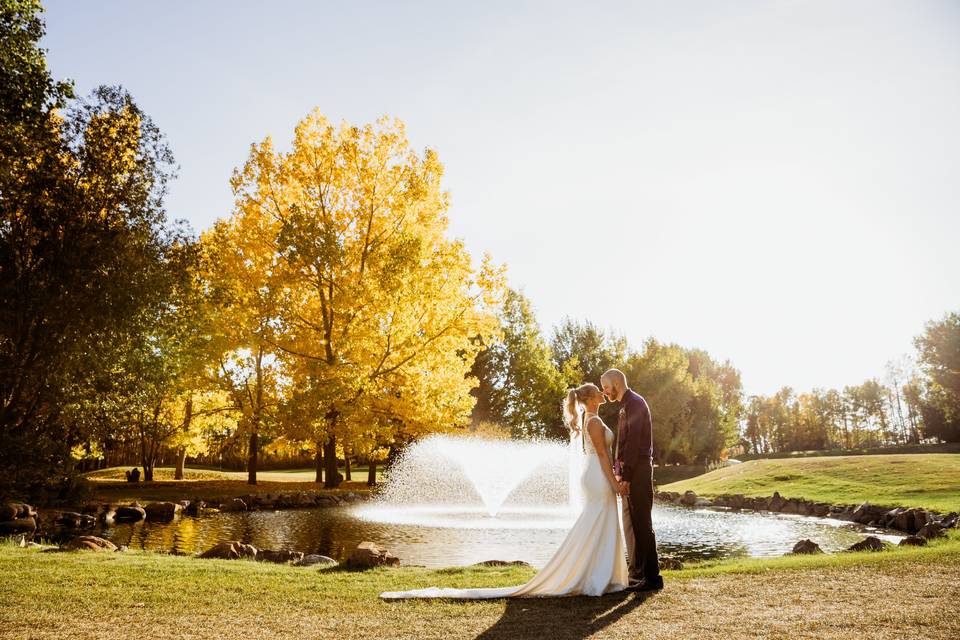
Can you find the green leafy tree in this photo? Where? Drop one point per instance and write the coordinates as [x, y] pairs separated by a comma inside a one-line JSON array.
[[519, 385], [939, 356], [81, 228]]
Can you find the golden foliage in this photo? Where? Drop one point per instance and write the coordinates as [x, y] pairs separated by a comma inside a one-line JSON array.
[[336, 262]]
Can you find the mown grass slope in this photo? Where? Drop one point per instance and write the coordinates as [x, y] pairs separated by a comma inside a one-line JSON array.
[[931, 481]]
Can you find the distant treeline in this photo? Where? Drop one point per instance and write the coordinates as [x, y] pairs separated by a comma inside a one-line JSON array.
[[699, 408]]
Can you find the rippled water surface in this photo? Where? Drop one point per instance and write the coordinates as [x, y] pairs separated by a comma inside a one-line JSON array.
[[448, 537]]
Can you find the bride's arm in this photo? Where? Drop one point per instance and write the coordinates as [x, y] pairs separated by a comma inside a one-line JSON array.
[[595, 429]]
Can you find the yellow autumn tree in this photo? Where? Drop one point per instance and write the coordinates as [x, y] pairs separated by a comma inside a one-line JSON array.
[[246, 289], [382, 314]]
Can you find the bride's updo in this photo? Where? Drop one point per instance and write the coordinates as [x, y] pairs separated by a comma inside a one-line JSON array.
[[576, 397]]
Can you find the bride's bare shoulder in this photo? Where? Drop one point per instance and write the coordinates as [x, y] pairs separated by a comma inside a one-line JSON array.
[[595, 424]]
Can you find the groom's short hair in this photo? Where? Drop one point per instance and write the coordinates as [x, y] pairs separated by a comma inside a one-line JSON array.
[[616, 377]]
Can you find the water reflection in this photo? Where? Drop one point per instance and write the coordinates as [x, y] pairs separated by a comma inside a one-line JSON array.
[[681, 533]]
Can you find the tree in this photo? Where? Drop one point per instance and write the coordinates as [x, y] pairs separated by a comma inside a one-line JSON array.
[[81, 226], [379, 310], [247, 289], [939, 356], [519, 386], [661, 374], [584, 351]]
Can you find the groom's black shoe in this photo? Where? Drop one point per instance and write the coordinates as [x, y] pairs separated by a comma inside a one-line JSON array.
[[640, 586]]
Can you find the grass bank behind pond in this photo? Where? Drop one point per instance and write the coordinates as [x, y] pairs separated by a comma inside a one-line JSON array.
[[931, 481], [907, 592], [109, 484]]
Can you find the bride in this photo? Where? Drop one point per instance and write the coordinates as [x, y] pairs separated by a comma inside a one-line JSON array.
[[591, 561]]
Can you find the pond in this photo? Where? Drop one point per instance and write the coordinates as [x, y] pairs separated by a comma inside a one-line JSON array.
[[451, 538], [451, 501]]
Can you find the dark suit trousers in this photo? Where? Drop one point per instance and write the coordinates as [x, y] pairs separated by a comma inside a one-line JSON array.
[[638, 526]]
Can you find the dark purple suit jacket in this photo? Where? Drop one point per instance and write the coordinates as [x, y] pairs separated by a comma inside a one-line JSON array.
[[634, 444]]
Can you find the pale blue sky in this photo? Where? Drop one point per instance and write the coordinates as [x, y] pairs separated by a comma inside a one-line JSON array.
[[775, 182]]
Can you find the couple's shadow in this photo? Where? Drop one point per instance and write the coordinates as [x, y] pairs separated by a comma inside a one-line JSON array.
[[562, 618]]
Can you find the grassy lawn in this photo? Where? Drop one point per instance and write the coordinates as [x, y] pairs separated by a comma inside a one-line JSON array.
[[90, 595], [911, 480], [109, 484], [944, 447]]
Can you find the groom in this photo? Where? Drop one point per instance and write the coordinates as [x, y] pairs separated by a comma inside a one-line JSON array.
[[633, 468]]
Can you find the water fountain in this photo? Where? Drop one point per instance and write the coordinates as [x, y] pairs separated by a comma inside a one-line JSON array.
[[478, 483]]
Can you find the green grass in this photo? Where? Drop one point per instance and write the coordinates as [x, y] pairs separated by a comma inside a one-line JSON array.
[[166, 474], [109, 484], [115, 595], [929, 480], [944, 447]]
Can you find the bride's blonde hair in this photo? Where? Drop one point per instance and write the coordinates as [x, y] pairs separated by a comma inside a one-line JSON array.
[[576, 397]]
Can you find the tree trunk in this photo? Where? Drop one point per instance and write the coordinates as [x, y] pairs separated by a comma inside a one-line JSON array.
[[257, 414], [346, 465], [181, 461], [371, 473], [319, 463], [330, 462], [145, 461], [185, 426], [252, 459]]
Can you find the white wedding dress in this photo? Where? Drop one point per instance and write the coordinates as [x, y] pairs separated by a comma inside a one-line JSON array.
[[591, 561]]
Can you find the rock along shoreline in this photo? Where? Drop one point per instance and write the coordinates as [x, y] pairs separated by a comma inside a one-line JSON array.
[[909, 520], [19, 518]]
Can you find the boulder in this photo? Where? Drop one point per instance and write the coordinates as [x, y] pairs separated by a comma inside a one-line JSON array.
[[776, 502], [282, 556], [195, 507], [930, 531], [870, 543], [950, 520], [502, 563], [913, 541], [230, 550], [368, 554], [890, 516], [790, 506], [670, 564], [305, 499], [312, 559], [162, 511], [129, 513], [702, 502], [806, 546], [88, 543], [863, 514], [72, 520], [920, 519], [236, 504], [18, 526], [902, 519], [16, 511], [820, 510], [689, 498], [841, 512]]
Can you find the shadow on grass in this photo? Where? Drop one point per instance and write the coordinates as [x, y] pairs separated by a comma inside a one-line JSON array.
[[562, 618]]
